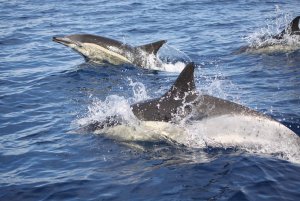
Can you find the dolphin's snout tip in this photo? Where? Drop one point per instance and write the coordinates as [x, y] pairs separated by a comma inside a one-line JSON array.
[[57, 39], [54, 38]]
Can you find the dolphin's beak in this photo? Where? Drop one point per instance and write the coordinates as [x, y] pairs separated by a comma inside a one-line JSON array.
[[66, 41], [62, 40]]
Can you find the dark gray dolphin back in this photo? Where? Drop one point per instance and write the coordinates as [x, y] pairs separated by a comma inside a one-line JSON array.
[[99, 40], [175, 102]]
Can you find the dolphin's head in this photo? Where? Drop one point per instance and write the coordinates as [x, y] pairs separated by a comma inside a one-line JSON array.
[[78, 42], [74, 42]]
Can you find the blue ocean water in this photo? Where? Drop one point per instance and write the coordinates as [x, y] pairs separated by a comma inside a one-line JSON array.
[[46, 88]]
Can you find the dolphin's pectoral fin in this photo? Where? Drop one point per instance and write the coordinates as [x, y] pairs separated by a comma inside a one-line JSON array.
[[152, 47]]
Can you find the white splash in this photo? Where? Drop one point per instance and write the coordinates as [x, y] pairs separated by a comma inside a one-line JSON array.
[[174, 60], [168, 59], [153, 62], [113, 105], [173, 67], [139, 91]]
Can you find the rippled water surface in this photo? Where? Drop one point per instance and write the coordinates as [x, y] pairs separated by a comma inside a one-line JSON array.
[[46, 89]]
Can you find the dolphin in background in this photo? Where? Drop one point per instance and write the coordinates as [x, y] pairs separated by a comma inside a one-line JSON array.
[[100, 49], [291, 29], [287, 40]]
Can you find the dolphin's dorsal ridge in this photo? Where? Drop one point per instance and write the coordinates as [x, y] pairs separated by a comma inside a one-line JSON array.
[[295, 24], [185, 81], [291, 29], [152, 48]]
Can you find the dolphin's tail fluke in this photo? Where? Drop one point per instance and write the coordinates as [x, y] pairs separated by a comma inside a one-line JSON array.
[[152, 48]]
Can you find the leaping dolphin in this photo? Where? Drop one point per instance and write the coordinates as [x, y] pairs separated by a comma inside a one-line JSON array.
[[100, 49]]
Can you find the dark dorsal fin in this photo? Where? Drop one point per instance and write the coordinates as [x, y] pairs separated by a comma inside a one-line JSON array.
[[290, 29], [185, 81], [152, 48], [294, 25]]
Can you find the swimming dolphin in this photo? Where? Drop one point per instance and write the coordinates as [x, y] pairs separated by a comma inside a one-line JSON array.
[[284, 41], [182, 101], [100, 49], [291, 29], [186, 117]]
